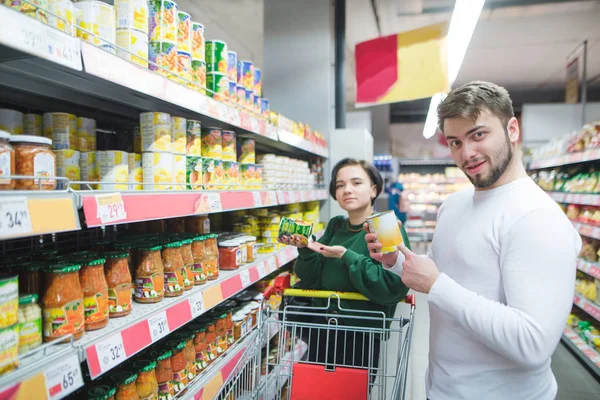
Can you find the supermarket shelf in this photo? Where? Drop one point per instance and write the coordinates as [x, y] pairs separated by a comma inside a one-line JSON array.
[[586, 305], [138, 206], [590, 268], [573, 158], [587, 230], [425, 161], [25, 213], [128, 335], [586, 199], [43, 64], [581, 349]]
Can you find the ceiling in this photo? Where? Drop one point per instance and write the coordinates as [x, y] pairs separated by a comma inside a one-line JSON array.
[[523, 45]]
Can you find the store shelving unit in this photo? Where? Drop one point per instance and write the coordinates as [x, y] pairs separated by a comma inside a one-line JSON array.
[[586, 305], [585, 199], [590, 357], [42, 68], [566, 159]]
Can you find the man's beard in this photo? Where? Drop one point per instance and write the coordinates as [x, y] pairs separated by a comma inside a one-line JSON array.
[[504, 157]]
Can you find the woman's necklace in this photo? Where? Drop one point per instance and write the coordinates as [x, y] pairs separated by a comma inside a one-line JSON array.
[[350, 229]]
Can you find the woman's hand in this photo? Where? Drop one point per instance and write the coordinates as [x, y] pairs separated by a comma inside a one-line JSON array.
[[330, 251], [374, 247], [326, 251]]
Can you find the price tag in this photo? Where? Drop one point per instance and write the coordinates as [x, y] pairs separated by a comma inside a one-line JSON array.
[[197, 304], [257, 199], [14, 216], [110, 208], [214, 202], [64, 378], [159, 326], [111, 352], [245, 276], [272, 264], [262, 270]]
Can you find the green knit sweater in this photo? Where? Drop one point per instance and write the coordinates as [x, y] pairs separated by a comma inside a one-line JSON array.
[[356, 271]]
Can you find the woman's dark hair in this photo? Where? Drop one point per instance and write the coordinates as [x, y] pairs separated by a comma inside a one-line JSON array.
[[371, 171]]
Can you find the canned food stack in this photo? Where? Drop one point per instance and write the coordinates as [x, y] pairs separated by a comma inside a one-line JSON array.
[[68, 165], [34, 9], [114, 169], [62, 16], [163, 36], [212, 164], [89, 169], [184, 48], [132, 30], [157, 150], [198, 57], [96, 24], [279, 172], [217, 81], [33, 124], [136, 172], [193, 153], [11, 121]]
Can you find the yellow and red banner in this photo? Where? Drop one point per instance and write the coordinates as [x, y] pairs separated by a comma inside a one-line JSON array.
[[406, 66]]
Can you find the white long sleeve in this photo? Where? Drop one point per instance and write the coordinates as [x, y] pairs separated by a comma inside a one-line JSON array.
[[397, 267]]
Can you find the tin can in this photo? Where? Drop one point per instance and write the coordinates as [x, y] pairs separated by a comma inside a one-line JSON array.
[[228, 146], [32, 124], [132, 14], [246, 74], [136, 44], [178, 135], [240, 95], [249, 99], [256, 104], [199, 75], [289, 227], [184, 32], [246, 151], [114, 170], [198, 47], [162, 57], [259, 175], [157, 171], [385, 226], [257, 82], [247, 174], [11, 121], [60, 129], [86, 134], [156, 132], [264, 108], [61, 15], [193, 143], [67, 165], [179, 171], [34, 8], [217, 85], [211, 143], [99, 21], [230, 178], [137, 139], [184, 68], [216, 56], [208, 173], [232, 65], [162, 21], [136, 173], [193, 173], [88, 168], [233, 92]]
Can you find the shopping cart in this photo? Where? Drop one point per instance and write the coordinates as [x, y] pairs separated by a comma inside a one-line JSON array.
[[324, 353]]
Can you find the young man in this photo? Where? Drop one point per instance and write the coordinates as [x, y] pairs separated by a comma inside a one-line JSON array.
[[501, 271]]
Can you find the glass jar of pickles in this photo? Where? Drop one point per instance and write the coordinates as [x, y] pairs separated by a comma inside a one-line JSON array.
[[146, 383], [188, 262], [199, 255], [174, 269], [125, 383], [95, 294], [149, 274], [118, 279]]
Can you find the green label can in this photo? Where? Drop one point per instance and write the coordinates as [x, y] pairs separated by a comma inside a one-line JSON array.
[[289, 227], [193, 173], [218, 85], [216, 56], [199, 75]]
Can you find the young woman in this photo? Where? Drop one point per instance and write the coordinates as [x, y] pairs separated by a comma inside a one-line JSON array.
[[340, 261]]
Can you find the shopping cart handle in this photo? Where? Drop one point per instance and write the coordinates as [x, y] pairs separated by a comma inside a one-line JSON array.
[[411, 299], [324, 294]]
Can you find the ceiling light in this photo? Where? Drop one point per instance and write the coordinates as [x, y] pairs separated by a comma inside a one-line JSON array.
[[431, 122]]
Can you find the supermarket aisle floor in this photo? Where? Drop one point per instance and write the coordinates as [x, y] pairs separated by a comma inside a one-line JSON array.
[[574, 381]]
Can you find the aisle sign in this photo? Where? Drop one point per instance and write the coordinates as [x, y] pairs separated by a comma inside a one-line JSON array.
[[111, 352], [110, 208], [159, 326], [197, 304], [63, 378], [14, 216]]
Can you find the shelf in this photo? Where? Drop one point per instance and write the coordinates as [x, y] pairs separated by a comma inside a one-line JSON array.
[[425, 161], [586, 305], [137, 331], [586, 199], [590, 268], [139, 206], [582, 350], [587, 230], [25, 213], [43, 64], [572, 158]]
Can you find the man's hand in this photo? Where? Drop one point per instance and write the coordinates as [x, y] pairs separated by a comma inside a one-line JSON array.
[[419, 272], [374, 247]]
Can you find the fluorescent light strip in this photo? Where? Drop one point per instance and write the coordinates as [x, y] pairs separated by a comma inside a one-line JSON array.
[[432, 120]]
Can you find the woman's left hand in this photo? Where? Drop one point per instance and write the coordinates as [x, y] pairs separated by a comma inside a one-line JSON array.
[[330, 251]]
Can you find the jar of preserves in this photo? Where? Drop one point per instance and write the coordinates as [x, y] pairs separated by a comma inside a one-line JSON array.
[[102, 392], [251, 250], [7, 162], [212, 347], [230, 255], [118, 279], [174, 269], [127, 247], [30, 278], [125, 383], [149, 275], [95, 294], [199, 254], [188, 262], [164, 374], [239, 325], [146, 383], [254, 308], [211, 268], [189, 352], [30, 323], [33, 157], [62, 303], [200, 346], [197, 224], [221, 331], [178, 364], [212, 249]]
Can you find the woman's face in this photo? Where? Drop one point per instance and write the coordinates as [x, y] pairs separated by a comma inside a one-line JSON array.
[[353, 188]]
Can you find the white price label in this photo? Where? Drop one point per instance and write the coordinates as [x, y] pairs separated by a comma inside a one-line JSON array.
[[14, 216], [272, 264], [64, 378], [302, 196], [214, 202], [254, 125], [110, 208], [262, 270], [257, 199], [197, 304], [159, 326], [280, 197], [111, 352], [245, 277]]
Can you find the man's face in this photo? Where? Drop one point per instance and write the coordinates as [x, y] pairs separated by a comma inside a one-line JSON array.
[[483, 148]]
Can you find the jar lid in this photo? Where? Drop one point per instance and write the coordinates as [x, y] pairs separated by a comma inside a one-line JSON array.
[[91, 262], [123, 245], [198, 238], [116, 254], [149, 247], [30, 139], [212, 236], [197, 328], [185, 241], [238, 316], [144, 365], [228, 243], [176, 345], [164, 355], [4, 135], [31, 266], [124, 377], [250, 238], [64, 267], [28, 298], [172, 245], [102, 392], [187, 335]]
